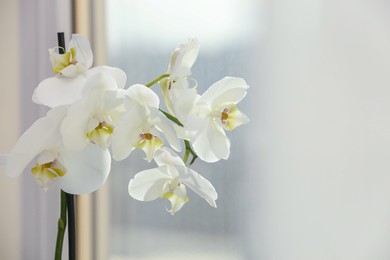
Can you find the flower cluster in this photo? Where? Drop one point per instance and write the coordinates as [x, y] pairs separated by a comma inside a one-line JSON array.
[[93, 117]]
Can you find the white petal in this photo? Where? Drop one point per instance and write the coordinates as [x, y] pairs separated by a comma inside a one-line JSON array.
[[70, 71], [210, 142], [113, 98], [228, 90], [180, 71], [83, 50], [126, 133], [182, 59], [143, 95], [58, 91], [199, 185], [118, 74], [45, 157], [179, 98], [43, 134], [182, 132], [74, 128], [192, 51], [97, 84], [165, 126], [166, 156], [149, 184], [86, 170]]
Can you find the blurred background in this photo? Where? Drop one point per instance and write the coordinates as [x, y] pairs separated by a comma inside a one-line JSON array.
[[308, 178]]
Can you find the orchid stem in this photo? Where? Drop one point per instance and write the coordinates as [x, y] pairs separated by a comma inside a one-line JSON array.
[[157, 80], [61, 227], [186, 154]]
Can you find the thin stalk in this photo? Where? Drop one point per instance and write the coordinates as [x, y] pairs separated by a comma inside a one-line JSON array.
[[61, 227], [186, 154], [71, 226], [157, 80]]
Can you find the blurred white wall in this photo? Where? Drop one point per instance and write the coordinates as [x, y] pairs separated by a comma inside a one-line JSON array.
[[323, 132]]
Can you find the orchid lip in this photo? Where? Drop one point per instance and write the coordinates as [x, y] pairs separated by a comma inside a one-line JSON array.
[[47, 173], [100, 134]]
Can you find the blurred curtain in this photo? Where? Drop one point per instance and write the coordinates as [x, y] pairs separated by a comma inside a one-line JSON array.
[[28, 216]]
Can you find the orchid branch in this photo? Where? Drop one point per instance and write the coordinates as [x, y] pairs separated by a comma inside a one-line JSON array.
[[162, 76]]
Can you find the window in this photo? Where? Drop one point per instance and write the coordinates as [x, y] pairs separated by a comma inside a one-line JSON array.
[[141, 37]]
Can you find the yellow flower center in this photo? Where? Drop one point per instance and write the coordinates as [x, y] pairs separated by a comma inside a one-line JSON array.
[[100, 134], [149, 143], [64, 60], [47, 172]]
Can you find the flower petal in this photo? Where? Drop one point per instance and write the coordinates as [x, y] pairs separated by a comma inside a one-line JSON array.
[[199, 185], [118, 74], [143, 95], [166, 156], [74, 127], [43, 134], [86, 170], [149, 184], [70, 71], [210, 142], [165, 126], [183, 101], [58, 91], [192, 51], [182, 59], [97, 84], [126, 133], [228, 90], [83, 50]]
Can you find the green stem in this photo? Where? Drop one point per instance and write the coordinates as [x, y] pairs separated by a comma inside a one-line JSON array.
[[189, 150], [186, 142], [157, 80], [186, 154], [61, 227]]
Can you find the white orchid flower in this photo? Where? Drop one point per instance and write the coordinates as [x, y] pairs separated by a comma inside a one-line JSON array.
[[76, 60], [213, 112], [73, 68], [169, 180], [142, 125], [176, 86], [92, 118], [74, 172]]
